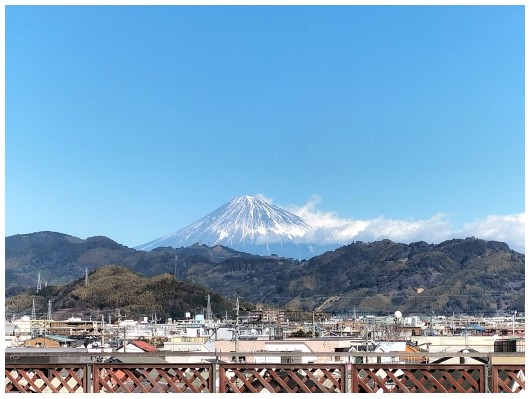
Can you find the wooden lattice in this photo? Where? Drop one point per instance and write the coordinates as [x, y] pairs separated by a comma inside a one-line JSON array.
[[281, 378], [508, 379], [45, 378], [169, 378], [417, 378], [152, 378]]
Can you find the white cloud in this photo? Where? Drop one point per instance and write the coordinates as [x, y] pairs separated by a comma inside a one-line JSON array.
[[433, 230], [506, 228], [328, 228]]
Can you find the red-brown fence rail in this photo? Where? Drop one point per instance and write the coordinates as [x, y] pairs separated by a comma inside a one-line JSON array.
[[288, 378], [153, 378], [418, 378], [46, 378], [507, 379], [250, 377]]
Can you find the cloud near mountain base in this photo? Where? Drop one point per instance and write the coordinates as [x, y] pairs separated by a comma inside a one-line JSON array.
[[328, 228]]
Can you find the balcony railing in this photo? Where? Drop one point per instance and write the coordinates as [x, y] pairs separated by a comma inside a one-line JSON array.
[[93, 374]]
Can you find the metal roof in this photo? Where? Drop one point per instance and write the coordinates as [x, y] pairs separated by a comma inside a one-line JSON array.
[[60, 338]]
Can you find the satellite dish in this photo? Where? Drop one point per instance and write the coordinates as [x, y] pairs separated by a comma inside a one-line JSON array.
[[398, 314]]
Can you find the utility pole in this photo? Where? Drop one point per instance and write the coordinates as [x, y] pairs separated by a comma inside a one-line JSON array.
[[45, 325], [313, 332], [102, 331], [366, 338], [237, 326]]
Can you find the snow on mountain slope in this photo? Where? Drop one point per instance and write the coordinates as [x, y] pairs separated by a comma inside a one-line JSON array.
[[243, 223]]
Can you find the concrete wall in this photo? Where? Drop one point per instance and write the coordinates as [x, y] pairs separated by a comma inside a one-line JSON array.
[[444, 343]]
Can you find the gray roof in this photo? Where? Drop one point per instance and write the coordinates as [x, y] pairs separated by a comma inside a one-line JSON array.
[[60, 338]]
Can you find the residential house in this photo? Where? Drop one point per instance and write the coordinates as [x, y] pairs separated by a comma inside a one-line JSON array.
[[49, 341]]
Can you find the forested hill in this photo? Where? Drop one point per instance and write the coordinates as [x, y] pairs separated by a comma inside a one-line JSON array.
[[61, 258], [113, 290], [461, 275], [468, 275]]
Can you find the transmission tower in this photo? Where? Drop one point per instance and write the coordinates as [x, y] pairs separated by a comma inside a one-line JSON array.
[[49, 309], [39, 284], [86, 276], [33, 313], [209, 315]]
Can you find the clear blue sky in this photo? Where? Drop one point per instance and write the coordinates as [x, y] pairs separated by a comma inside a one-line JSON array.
[[133, 122]]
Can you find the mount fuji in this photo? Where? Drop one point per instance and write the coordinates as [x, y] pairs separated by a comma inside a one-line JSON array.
[[248, 224]]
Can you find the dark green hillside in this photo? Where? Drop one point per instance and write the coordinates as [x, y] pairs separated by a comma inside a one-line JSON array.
[[113, 287], [461, 275], [259, 280], [472, 276], [61, 258]]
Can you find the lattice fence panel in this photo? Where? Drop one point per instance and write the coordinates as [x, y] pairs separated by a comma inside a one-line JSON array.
[[45, 378], [278, 378], [417, 378], [507, 379], [138, 378]]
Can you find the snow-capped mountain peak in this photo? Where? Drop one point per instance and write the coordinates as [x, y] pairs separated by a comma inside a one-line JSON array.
[[244, 221]]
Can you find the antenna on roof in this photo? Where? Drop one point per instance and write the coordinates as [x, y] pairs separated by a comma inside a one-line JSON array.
[[39, 285]]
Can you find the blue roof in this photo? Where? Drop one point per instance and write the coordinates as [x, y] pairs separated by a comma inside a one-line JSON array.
[[60, 338], [476, 327]]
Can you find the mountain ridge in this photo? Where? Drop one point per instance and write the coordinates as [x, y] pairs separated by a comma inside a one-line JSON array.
[[114, 289], [248, 224], [457, 275]]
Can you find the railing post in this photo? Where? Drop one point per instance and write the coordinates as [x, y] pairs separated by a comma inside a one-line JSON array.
[[488, 376], [348, 367], [487, 379], [222, 376], [215, 374], [88, 378]]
